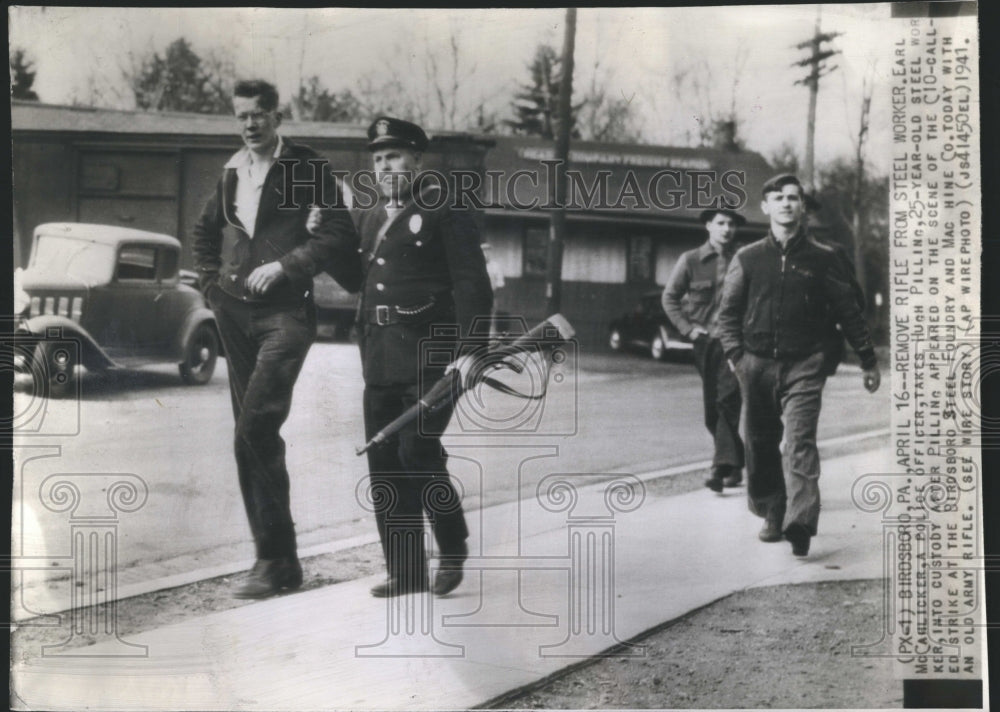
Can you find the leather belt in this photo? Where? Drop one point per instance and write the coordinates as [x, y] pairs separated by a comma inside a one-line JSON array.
[[387, 314]]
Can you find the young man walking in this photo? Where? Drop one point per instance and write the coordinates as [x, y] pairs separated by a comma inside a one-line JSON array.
[[780, 296]]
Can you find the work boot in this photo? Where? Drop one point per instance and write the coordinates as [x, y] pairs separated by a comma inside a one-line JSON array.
[[771, 531], [717, 481], [799, 537], [734, 478]]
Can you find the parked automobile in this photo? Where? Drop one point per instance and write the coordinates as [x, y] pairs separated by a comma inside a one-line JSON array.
[[648, 328], [336, 308], [105, 297]]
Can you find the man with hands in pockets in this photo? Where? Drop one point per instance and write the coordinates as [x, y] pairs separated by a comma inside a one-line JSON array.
[[691, 300], [780, 295]]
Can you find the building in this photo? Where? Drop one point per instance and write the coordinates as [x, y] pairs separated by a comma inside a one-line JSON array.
[[631, 211]]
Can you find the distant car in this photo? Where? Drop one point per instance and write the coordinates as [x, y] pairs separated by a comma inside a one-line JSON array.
[[648, 328], [336, 308], [110, 297]]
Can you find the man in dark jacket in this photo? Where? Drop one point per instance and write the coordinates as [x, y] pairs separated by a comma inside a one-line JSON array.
[[424, 284], [257, 261], [781, 294], [691, 300]]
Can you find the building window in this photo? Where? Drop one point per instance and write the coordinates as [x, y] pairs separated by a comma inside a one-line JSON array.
[[640, 259], [536, 247]]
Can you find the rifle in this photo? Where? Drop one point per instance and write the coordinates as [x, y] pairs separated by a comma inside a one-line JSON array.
[[545, 337]]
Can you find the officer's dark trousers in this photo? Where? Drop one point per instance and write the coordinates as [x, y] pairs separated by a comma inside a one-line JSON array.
[[721, 393], [783, 485], [265, 348], [409, 476]]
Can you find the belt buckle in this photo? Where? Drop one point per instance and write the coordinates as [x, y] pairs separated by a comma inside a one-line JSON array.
[[382, 315]]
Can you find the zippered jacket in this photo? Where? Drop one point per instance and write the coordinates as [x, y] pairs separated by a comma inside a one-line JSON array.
[[779, 303], [225, 254]]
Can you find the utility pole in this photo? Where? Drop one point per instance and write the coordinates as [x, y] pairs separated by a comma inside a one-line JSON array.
[[859, 177], [557, 224], [816, 62]]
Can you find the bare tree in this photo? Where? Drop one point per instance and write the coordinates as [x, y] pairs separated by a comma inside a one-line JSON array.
[[698, 89]]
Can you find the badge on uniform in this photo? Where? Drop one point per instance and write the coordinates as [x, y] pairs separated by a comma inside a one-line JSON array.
[[415, 223]]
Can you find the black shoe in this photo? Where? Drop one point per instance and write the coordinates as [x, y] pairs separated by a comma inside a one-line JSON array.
[[715, 482], [269, 577], [450, 574], [771, 531], [799, 536], [734, 479], [393, 586]]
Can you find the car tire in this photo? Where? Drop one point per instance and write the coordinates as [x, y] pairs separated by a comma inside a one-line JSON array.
[[615, 340], [58, 369], [200, 356], [658, 349]]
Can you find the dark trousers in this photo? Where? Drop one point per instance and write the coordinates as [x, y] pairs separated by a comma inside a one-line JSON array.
[[783, 400], [265, 349], [721, 393], [409, 476]]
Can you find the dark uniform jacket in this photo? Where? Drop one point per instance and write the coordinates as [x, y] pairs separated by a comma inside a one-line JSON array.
[[780, 303], [426, 277], [225, 254], [693, 292]]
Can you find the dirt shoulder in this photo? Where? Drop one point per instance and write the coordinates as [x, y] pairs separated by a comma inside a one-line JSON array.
[[780, 647]]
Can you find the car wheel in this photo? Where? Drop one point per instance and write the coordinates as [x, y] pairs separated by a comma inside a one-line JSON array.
[[58, 369], [657, 349], [200, 356], [615, 340]]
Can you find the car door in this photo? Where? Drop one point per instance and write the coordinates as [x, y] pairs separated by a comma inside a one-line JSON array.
[[132, 304]]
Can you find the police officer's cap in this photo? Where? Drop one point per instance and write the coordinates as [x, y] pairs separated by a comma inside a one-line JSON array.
[[779, 181], [387, 132], [710, 214]]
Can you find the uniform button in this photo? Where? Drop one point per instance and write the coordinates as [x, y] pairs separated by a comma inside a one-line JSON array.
[[360, 250], [232, 278], [262, 261], [419, 243], [380, 261], [380, 287]]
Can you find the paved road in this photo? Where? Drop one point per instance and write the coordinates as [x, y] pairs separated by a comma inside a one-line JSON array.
[[612, 413]]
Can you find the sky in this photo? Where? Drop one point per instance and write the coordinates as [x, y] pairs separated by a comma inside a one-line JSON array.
[[637, 50]]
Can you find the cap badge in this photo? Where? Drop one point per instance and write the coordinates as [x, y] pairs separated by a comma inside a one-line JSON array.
[[381, 127], [416, 222]]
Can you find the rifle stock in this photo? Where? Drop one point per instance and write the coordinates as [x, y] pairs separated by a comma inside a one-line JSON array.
[[547, 336]]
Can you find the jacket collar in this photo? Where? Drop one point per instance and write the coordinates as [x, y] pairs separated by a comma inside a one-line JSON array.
[[243, 158], [792, 243], [707, 250]]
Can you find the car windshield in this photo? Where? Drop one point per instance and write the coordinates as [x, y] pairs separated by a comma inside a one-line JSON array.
[[90, 262]]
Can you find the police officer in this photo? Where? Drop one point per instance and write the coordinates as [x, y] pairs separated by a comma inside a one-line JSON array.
[[691, 300], [424, 280]]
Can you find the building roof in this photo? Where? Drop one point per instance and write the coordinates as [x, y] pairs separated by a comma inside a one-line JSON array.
[[672, 183], [35, 116], [106, 234]]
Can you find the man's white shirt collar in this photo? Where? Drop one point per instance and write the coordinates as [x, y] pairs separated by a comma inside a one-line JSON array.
[[244, 158]]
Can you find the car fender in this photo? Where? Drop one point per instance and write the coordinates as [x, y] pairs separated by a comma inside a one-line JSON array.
[[196, 318], [671, 343], [92, 356]]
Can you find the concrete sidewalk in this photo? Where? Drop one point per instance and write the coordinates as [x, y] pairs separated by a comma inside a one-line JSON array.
[[552, 581]]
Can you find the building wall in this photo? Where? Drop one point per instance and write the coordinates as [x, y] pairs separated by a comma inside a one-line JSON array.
[[596, 286]]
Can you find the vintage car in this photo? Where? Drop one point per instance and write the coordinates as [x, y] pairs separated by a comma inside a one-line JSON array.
[[336, 309], [110, 297], [648, 328]]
